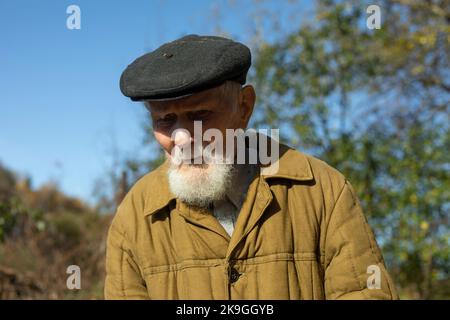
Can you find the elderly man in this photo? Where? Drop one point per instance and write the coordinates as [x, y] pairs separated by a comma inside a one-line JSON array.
[[225, 230]]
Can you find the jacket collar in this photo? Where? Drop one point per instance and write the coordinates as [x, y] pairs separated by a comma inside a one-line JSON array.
[[157, 191], [293, 165]]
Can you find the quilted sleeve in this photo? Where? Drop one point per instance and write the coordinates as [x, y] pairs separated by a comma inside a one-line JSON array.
[[123, 279], [354, 267]]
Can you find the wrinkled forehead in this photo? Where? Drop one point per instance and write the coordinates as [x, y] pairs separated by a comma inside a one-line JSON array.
[[202, 99]]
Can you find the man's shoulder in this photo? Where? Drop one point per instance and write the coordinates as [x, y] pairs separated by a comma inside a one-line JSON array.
[[148, 192], [323, 184], [303, 166]]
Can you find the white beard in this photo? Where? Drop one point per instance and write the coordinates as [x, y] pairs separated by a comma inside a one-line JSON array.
[[200, 185]]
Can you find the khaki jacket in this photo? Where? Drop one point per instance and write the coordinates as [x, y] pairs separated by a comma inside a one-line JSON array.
[[300, 234]]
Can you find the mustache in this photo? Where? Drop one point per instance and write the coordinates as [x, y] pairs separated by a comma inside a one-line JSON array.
[[201, 157]]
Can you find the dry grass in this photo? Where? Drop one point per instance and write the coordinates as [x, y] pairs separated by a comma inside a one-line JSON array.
[[34, 266]]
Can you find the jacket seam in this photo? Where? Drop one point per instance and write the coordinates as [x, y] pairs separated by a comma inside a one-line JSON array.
[[350, 252], [122, 282], [123, 234], [372, 248], [203, 263], [327, 222]]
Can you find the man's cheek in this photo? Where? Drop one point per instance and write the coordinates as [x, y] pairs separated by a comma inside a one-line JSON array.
[[164, 141]]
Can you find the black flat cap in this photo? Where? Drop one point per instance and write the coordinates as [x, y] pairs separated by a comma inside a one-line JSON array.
[[185, 66]]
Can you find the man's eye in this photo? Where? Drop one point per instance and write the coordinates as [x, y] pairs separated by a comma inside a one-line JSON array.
[[199, 115], [167, 121]]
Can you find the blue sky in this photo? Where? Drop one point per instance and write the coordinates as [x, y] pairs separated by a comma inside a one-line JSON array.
[[61, 110]]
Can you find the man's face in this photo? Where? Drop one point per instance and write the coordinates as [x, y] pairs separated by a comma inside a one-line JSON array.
[[224, 107], [221, 108]]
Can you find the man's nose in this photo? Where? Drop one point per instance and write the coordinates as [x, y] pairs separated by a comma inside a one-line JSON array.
[[186, 126], [182, 137]]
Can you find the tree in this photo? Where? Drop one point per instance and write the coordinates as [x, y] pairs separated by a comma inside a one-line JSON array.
[[374, 104]]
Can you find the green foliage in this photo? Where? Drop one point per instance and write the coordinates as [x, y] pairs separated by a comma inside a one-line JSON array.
[[66, 229]]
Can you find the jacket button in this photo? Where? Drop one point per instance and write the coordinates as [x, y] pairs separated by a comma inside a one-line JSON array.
[[234, 275]]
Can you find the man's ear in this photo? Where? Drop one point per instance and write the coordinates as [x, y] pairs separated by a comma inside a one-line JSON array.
[[246, 103]]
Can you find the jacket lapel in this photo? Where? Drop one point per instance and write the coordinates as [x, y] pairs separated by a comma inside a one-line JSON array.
[[201, 218], [258, 199]]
